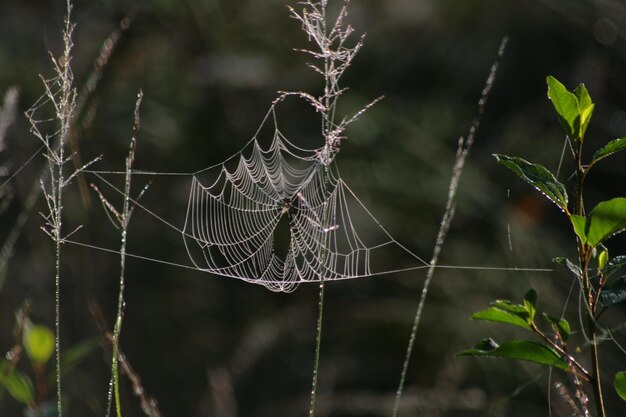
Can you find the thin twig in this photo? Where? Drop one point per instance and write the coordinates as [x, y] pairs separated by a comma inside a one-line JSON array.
[[463, 149], [121, 219], [318, 341], [567, 399], [88, 89], [335, 58]]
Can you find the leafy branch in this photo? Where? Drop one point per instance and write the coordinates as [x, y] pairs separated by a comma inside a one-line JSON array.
[[591, 230]]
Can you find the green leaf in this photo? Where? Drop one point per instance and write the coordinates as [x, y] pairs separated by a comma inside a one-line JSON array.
[[518, 349], [614, 295], [561, 326], [20, 387], [39, 343], [605, 220], [17, 383], [603, 258], [537, 176], [620, 384], [614, 265], [485, 345], [497, 315], [583, 97], [585, 107], [610, 148], [566, 106], [509, 306], [530, 300], [573, 268], [585, 118], [579, 223]]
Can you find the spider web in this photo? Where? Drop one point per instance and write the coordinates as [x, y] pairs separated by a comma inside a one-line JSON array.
[[237, 219], [279, 215]]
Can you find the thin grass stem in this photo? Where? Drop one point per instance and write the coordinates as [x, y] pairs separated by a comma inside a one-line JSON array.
[[463, 149]]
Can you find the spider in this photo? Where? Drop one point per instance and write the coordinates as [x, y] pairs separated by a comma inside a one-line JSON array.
[[286, 207]]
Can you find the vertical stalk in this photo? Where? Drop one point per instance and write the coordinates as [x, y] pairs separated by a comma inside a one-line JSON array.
[[320, 314], [120, 301], [61, 94], [327, 123], [596, 382], [326, 129], [318, 342], [57, 304], [65, 114], [330, 48], [580, 178], [584, 258], [123, 220], [463, 149]]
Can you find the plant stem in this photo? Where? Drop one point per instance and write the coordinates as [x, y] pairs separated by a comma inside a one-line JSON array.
[[580, 176], [66, 107], [596, 382], [320, 314], [116, 376], [584, 257], [327, 126], [463, 149], [318, 341], [123, 220], [585, 374], [57, 310]]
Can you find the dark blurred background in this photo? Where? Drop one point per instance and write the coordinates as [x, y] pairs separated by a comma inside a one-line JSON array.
[[210, 346]]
